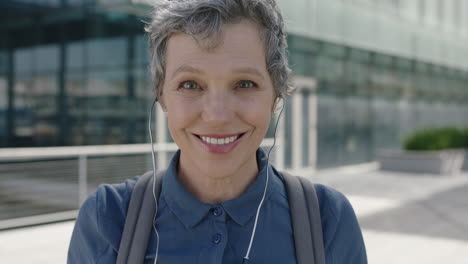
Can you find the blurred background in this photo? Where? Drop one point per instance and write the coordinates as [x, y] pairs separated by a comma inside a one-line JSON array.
[[75, 95]]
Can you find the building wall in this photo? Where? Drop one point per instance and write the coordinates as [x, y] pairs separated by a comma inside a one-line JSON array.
[[433, 31]]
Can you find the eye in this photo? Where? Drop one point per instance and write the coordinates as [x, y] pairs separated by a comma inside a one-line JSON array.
[[189, 85], [246, 84]]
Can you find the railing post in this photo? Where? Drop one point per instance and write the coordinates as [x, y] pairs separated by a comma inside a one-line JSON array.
[[297, 123], [161, 137], [82, 178], [280, 149], [313, 108]]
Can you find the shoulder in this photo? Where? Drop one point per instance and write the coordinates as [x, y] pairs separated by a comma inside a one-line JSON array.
[[102, 215], [332, 202], [341, 231]]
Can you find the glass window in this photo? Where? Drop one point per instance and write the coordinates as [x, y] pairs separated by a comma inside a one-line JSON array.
[[3, 62], [75, 53], [76, 105], [3, 109], [329, 130], [359, 55], [47, 58], [76, 2], [49, 3], [356, 73], [334, 50], [44, 110], [142, 54], [299, 43], [23, 113], [23, 61], [301, 63], [141, 104], [111, 52], [106, 112], [329, 69]]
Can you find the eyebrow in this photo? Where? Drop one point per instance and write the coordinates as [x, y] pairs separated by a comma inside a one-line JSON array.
[[186, 68], [191, 69]]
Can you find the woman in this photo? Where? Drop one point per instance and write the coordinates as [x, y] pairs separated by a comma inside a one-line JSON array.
[[219, 69]]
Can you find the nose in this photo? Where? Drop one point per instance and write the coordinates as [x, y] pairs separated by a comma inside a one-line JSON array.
[[218, 108]]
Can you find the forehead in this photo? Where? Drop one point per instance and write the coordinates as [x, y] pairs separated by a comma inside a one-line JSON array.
[[238, 46]]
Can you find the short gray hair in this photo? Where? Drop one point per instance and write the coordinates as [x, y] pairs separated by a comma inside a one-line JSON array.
[[203, 20]]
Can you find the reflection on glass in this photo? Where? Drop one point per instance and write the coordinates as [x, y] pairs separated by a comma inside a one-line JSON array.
[[75, 52], [44, 108], [107, 111], [46, 58], [3, 109], [23, 61], [109, 52]]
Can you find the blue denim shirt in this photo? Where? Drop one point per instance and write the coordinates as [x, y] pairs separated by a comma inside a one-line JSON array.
[[195, 232]]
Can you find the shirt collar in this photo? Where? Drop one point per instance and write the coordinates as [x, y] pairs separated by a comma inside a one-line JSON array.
[[244, 207], [183, 204], [191, 211]]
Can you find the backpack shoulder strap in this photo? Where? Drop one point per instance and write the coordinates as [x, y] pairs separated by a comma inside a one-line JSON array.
[[306, 220], [139, 219]]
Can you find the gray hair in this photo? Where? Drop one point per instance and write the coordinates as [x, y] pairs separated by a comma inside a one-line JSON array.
[[204, 19]]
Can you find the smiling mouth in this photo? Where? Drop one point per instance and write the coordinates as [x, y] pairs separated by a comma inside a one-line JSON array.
[[219, 140]]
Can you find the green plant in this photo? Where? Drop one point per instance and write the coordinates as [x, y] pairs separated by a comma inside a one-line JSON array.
[[465, 137], [437, 139]]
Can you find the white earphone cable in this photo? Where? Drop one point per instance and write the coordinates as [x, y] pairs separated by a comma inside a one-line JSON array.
[[246, 258], [154, 180]]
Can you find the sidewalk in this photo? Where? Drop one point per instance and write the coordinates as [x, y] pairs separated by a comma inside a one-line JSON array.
[[405, 219], [408, 218]]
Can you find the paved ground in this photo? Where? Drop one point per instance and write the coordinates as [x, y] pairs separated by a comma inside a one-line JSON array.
[[405, 219]]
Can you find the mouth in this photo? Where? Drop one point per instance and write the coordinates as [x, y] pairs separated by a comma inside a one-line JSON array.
[[220, 139]]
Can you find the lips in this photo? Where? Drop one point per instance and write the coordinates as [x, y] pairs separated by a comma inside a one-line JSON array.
[[219, 143]]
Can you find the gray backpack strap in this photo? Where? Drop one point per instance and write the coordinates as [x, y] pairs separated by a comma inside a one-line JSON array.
[[306, 220], [139, 220]]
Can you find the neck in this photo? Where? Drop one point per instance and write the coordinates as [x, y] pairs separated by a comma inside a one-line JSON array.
[[213, 187]]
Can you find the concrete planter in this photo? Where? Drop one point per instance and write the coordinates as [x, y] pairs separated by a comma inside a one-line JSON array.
[[445, 162], [465, 164]]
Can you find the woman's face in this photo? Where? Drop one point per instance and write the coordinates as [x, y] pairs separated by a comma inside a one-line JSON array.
[[218, 102]]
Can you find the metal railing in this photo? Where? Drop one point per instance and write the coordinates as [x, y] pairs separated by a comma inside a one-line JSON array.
[[40, 185]]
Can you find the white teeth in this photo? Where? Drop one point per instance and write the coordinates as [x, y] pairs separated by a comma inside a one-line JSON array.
[[219, 141]]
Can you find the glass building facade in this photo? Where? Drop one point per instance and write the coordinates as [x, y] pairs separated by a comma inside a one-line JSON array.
[[75, 72], [72, 73], [368, 101]]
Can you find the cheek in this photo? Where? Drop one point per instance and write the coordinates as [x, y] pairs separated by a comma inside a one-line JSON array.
[[256, 112], [180, 115]]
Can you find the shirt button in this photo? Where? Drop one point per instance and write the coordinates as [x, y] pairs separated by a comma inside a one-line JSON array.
[[217, 211], [217, 238]]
